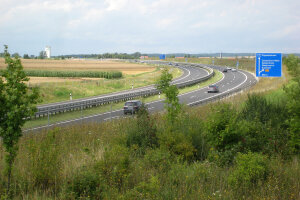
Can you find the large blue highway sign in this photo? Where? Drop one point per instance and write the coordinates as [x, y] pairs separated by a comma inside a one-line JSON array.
[[162, 56], [268, 65]]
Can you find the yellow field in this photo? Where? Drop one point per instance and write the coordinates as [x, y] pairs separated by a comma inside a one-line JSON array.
[[83, 65]]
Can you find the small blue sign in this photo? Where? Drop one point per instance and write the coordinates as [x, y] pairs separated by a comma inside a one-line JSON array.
[[237, 64], [268, 64], [162, 56]]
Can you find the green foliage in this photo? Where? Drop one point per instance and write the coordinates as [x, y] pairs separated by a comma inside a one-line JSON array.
[[250, 169], [144, 190], [171, 91], [293, 93], [158, 159], [44, 163], [143, 133], [90, 74], [86, 183], [178, 144], [257, 108], [17, 104], [115, 167]]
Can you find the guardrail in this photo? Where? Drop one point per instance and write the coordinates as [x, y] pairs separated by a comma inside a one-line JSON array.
[[97, 101], [224, 94]]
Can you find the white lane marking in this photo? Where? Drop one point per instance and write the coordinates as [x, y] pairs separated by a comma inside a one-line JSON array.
[[192, 97], [119, 93], [72, 120], [224, 91], [191, 91], [97, 115], [189, 72], [151, 108], [116, 117]]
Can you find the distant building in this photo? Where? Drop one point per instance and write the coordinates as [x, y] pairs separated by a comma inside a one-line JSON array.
[[179, 57], [48, 51], [144, 57]]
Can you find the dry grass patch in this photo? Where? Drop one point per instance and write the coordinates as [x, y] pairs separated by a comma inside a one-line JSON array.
[[83, 65]]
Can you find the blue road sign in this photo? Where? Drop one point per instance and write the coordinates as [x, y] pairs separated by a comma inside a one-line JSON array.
[[268, 64], [162, 56], [237, 64]]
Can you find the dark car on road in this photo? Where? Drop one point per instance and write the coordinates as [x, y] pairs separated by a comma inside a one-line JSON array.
[[225, 70], [132, 106], [213, 89]]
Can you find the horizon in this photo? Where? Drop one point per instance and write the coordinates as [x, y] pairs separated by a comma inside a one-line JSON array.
[[164, 26]]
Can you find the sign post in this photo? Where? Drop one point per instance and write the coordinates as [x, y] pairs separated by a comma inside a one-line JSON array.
[[268, 65]]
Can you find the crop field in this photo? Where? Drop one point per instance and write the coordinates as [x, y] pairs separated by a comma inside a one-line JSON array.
[[82, 65], [55, 89]]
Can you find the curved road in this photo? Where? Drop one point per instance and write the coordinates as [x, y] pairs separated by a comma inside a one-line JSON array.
[[229, 83], [189, 73]]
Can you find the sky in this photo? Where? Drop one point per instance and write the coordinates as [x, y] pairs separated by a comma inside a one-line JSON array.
[[150, 26]]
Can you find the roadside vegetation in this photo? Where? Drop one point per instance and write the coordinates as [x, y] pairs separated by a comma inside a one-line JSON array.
[[226, 150], [72, 74]]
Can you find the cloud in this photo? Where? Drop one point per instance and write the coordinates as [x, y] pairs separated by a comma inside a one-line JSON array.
[[150, 25]]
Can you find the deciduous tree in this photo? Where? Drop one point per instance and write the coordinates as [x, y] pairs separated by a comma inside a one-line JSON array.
[[17, 105]]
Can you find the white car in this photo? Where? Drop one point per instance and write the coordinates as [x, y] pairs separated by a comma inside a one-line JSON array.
[[233, 70]]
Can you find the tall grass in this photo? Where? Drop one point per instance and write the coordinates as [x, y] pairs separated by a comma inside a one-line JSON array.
[[90, 74]]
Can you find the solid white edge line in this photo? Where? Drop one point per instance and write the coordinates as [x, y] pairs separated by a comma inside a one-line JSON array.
[[222, 92], [91, 116]]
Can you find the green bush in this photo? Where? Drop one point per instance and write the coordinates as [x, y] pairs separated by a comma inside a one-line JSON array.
[[178, 144], [85, 184], [144, 190], [143, 133], [115, 167], [249, 170]]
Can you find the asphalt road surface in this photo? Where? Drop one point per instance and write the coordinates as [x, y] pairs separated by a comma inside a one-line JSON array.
[[230, 81]]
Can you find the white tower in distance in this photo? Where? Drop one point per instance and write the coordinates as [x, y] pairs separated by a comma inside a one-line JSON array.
[[48, 51]]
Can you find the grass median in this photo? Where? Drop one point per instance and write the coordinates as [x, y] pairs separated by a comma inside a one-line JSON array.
[[114, 106]]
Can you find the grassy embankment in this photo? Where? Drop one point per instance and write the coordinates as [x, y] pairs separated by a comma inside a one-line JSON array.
[[107, 160]]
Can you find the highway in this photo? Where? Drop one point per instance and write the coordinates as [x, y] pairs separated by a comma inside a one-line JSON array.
[[230, 83], [191, 75]]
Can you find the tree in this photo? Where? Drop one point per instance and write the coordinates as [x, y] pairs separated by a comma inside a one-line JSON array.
[[42, 55], [171, 91], [15, 55], [293, 93], [26, 56], [17, 104]]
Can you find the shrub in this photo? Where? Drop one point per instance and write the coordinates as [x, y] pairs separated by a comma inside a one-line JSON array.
[[144, 190], [250, 169], [85, 184], [158, 159], [115, 166], [143, 133], [178, 144]]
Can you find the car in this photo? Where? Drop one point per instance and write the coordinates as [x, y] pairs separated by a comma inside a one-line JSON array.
[[233, 70], [176, 64], [225, 70], [213, 89], [228, 68], [132, 106]]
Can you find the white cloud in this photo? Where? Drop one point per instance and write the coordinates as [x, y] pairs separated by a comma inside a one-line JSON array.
[[152, 25]]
